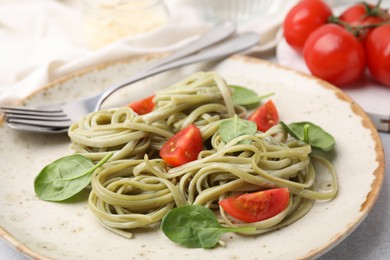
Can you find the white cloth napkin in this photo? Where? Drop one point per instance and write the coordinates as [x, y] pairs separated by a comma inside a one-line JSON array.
[[42, 40]]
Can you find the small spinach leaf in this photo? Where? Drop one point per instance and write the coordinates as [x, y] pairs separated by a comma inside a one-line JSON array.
[[65, 177], [234, 127], [311, 134], [195, 226], [246, 97]]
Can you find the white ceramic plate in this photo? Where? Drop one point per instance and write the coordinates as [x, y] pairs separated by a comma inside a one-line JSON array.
[[69, 230], [370, 94]]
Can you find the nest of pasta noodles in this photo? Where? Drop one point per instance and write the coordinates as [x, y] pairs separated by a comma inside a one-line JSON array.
[[136, 188]]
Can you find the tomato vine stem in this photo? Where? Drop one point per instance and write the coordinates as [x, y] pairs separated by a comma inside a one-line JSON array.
[[356, 30]]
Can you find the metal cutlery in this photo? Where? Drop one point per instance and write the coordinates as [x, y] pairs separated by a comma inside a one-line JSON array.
[[57, 119]]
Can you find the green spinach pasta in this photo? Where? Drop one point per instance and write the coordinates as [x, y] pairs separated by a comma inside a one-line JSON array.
[[136, 188]]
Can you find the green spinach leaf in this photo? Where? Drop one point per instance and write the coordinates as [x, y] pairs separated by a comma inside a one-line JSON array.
[[311, 134], [65, 177], [246, 97], [234, 127], [195, 226]]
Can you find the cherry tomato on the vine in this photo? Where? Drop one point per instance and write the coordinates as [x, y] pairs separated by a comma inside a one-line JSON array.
[[378, 53], [363, 14], [335, 55], [303, 19]]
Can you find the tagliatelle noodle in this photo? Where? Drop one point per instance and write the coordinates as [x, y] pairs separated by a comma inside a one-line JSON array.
[[136, 188]]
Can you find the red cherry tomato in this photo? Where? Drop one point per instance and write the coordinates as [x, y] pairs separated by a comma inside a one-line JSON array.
[[335, 55], [257, 206], [143, 106], [378, 53], [363, 14], [265, 116], [303, 19], [183, 147]]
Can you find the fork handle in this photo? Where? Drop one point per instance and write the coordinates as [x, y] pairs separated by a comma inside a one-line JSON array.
[[233, 45], [216, 34]]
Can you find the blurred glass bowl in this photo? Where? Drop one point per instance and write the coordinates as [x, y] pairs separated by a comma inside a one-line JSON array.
[[238, 11], [106, 21]]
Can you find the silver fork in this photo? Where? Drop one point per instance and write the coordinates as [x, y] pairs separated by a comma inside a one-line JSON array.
[[55, 119], [59, 118]]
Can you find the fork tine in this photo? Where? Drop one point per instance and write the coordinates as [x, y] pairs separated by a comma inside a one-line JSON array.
[[21, 108], [40, 123], [37, 117], [37, 129], [34, 113], [57, 112]]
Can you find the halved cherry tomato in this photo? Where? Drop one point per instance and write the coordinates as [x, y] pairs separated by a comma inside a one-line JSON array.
[[265, 116], [143, 106], [305, 17], [378, 53], [183, 147], [335, 55], [257, 206]]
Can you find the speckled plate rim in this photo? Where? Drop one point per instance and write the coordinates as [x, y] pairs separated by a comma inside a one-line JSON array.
[[365, 207], [376, 185]]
